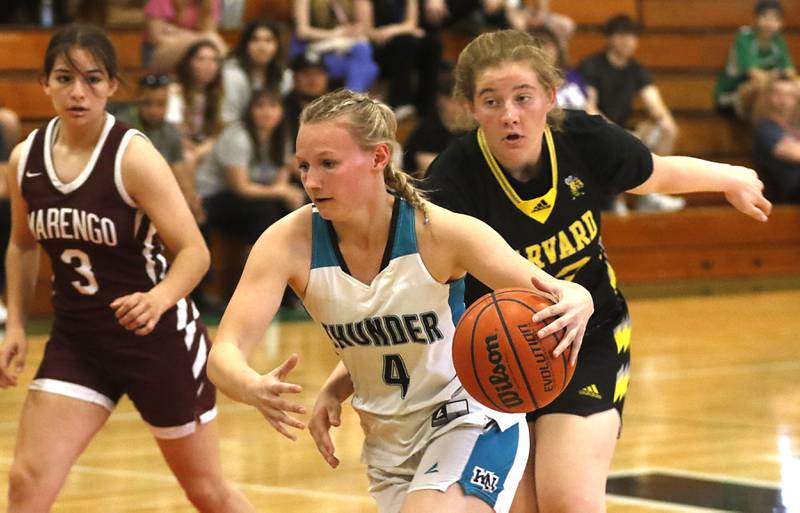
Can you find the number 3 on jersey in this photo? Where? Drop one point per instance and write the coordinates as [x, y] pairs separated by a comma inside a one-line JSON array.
[[80, 262], [395, 373]]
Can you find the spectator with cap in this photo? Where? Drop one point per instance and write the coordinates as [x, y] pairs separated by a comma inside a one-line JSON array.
[[776, 145], [759, 53], [615, 79], [310, 77]]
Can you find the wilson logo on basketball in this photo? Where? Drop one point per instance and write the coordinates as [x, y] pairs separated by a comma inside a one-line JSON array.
[[539, 355], [499, 377]]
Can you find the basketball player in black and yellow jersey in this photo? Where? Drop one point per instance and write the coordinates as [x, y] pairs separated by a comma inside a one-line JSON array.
[[98, 197], [539, 176]]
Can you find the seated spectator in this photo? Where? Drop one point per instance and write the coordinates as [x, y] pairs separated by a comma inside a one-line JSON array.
[[245, 182], [537, 15], [758, 54], [442, 13], [615, 80], [255, 63], [776, 146], [195, 101], [175, 25], [148, 114], [310, 78], [336, 30], [397, 42], [573, 92], [435, 131]]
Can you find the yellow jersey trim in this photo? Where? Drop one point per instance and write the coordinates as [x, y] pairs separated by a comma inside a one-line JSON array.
[[538, 208]]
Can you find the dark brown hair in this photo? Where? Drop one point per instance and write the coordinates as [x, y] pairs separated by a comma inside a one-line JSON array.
[[87, 37], [277, 141], [212, 122], [273, 74]]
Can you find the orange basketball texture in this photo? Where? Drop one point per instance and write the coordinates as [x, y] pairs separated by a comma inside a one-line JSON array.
[[500, 360]]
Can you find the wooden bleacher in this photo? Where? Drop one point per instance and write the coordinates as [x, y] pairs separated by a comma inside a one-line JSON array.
[[684, 44]]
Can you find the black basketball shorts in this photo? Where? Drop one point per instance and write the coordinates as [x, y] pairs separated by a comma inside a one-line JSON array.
[[163, 373], [601, 376]]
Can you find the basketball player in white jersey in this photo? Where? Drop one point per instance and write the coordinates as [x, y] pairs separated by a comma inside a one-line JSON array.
[[383, 272]]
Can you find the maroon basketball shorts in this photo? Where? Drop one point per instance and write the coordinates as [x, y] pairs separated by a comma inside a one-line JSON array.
[[601, 377], [163, 373]]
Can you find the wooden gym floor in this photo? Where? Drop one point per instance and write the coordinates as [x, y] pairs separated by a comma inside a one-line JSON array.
[[712, 422]]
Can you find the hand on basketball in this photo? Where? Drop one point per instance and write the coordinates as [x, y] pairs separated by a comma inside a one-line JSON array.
[[747, 193], [265, 395], [571, 311], [327, 413], [138, 312], [12, 358]]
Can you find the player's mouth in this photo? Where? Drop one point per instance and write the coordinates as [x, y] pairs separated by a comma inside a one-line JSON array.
[[513, 138], [77, 110]]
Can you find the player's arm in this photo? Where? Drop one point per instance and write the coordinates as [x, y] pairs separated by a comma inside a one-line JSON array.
[[327, 411], [472, 246], [274, 261], [22, 268], [150, 183], [677, 175]]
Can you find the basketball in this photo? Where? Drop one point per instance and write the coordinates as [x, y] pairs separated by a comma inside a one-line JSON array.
[[500, 360]]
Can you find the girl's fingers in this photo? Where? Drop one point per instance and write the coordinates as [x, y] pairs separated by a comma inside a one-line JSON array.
[[546, 313]]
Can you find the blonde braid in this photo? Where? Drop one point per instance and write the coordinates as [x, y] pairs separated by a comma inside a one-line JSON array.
[[403, 185], [370, 122]]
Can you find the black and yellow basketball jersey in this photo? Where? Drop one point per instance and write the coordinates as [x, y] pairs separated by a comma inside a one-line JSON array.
[[553, 220]]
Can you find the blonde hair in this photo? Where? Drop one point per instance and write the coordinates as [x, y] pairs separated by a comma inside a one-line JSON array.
[[370, 123], [491, 50]]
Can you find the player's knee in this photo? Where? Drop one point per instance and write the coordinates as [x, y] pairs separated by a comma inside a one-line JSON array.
[[208, 495], [25, 482]]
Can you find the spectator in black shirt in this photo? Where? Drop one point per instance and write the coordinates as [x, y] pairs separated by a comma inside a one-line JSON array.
[[434, 132]]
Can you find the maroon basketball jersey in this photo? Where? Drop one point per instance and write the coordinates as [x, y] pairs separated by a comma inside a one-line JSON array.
[[102, 246]]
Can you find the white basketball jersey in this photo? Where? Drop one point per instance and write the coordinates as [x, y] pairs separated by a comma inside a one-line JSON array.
[[395, 338]]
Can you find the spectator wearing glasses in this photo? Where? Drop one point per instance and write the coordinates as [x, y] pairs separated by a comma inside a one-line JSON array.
[[148, 115]]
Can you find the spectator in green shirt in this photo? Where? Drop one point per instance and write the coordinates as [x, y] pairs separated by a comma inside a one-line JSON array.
[[759, 53]]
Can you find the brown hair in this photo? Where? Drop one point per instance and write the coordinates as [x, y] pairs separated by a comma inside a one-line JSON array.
[[87, 37], [212, 118], [491, 50], [370, 123]]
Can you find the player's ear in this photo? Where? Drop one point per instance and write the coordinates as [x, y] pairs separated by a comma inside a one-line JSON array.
[[43, 81], [381, 156]]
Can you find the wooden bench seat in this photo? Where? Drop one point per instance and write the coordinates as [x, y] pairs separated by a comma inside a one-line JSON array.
[[703, 14], [702, 243]]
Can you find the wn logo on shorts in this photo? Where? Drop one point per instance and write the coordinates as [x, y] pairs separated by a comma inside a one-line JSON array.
[[486, 479]]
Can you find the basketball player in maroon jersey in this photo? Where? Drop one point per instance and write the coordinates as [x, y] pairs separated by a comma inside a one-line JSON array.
[[100, 200]]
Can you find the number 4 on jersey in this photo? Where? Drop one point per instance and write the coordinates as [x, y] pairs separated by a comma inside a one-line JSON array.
[[395, 373]]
